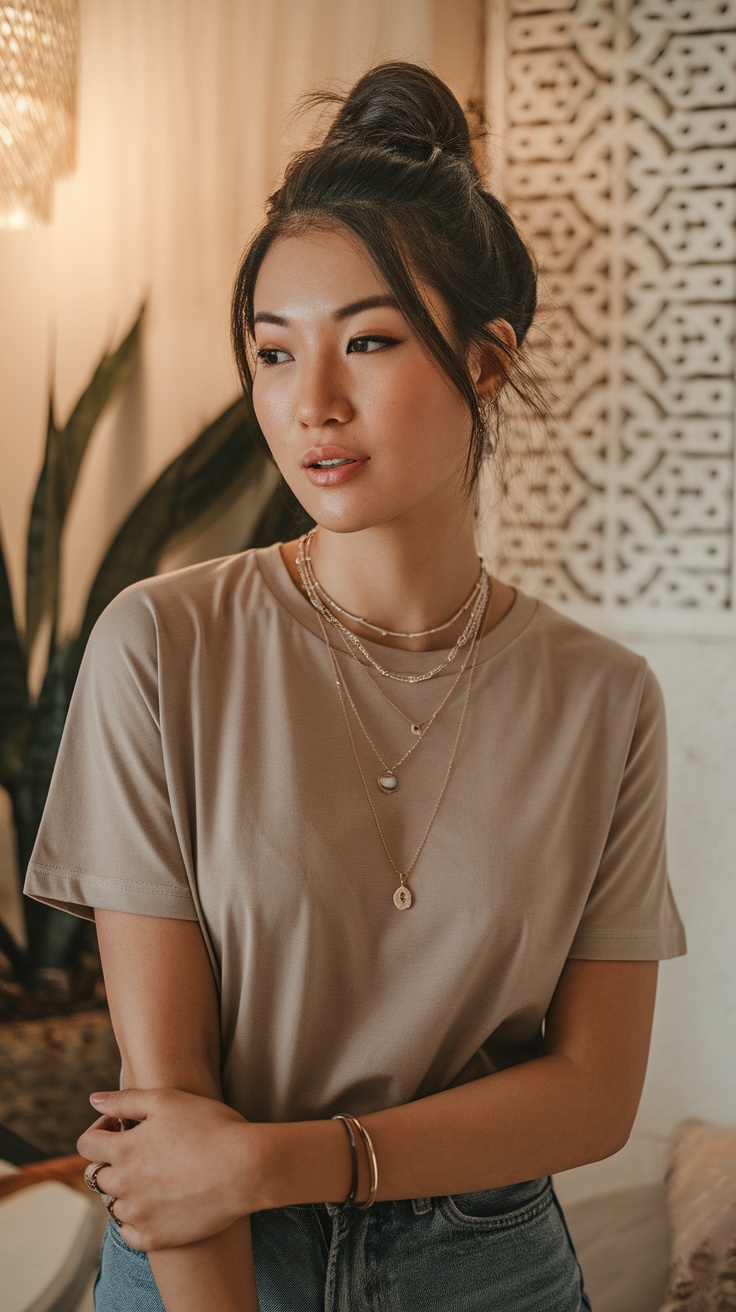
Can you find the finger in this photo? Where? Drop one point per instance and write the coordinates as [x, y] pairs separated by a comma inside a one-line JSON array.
[[102, 1123], [104, 1181], [106, 1123], [128, 1104], [98, 1145], [133, 1236], [119, 1210]]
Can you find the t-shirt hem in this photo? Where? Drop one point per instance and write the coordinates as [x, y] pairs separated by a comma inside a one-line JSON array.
[[629, 944], [79, 892]]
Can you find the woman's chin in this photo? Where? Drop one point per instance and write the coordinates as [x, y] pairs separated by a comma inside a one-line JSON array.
[[349, 519], [350, 508], [340, 510]]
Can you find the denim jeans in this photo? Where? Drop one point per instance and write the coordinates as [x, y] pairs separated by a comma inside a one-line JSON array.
[[498, 1250]]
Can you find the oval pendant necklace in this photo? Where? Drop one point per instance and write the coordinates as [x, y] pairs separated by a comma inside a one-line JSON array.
[[388, 783], [402, 897]]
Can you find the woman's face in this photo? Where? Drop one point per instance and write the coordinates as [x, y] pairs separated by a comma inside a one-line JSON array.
[[339, 380]]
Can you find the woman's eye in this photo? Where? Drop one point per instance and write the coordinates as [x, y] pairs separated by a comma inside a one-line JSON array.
[[364, 345], [266, 353], [358, 343]]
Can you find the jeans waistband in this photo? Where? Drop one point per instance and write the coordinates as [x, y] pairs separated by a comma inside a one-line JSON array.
[[510, 1194]]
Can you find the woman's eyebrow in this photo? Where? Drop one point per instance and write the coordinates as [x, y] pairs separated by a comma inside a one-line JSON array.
[[345, 311]]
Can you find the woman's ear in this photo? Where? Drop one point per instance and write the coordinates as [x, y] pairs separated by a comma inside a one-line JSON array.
[[488, 371]]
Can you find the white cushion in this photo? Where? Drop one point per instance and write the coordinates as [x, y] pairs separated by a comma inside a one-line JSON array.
[[50, 1239], [622, 1241]]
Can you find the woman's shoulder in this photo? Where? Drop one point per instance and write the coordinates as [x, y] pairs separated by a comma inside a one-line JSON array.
[[172, 604], [576, 654]]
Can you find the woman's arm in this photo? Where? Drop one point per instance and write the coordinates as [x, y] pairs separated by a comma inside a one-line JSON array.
[[166, 1017], [574, 1104]]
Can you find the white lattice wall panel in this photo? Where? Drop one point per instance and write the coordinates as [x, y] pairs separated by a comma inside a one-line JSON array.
[[619, 128]]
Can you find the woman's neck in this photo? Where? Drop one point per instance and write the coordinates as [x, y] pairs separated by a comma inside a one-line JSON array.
[[401, 581]]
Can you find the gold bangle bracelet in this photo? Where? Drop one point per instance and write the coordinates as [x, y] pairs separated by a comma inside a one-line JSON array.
[[346, 1120], [372, 1163]]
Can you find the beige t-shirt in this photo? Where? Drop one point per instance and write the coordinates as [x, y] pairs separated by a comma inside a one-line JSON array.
[[205, 773]]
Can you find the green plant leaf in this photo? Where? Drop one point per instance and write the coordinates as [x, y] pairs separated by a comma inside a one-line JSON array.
[[196, 488], [65, 449], [52, 934], [13, 686]]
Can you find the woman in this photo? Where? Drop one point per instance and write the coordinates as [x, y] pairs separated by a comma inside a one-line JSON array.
[[366, 832]]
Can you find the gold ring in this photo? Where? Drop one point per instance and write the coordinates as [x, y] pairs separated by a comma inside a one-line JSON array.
[[109, 1207], [90, 1177]]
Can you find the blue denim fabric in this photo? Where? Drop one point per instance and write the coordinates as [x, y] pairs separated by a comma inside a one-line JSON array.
[[498, 1250]]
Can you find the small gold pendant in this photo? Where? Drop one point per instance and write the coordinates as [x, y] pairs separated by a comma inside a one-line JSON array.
[[417, 729], [388, 783], [402, 898]]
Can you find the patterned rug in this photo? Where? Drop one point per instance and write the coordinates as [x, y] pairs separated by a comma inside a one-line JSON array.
[[48, 1068]]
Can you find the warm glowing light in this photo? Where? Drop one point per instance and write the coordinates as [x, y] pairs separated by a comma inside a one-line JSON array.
[[38, 83]]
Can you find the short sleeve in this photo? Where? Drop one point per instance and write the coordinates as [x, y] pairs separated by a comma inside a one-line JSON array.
[[630, 913], [107, 836]]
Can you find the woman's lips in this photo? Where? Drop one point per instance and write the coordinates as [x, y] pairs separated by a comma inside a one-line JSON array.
[[334, 474]]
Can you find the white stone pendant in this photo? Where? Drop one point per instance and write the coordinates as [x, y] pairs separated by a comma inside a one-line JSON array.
[[417, 729], [388, 783], [402, 898]]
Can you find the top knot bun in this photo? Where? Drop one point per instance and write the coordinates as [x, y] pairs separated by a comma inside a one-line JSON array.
[[403, 107]]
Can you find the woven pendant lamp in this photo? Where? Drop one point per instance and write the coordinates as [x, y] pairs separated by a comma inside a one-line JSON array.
[[38, 83]]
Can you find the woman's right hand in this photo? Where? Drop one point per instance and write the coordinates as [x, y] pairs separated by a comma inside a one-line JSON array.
[[187, 1170]]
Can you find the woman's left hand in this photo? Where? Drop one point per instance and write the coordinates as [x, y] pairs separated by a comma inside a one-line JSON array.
[[188, 1169]]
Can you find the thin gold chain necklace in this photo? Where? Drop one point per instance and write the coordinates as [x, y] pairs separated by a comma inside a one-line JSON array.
[[388, 782], [417, 727], [402, 896], [386, 633], [378, 629], [303, 564]]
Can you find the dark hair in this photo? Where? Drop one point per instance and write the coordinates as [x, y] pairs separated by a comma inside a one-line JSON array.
[[397, 169]]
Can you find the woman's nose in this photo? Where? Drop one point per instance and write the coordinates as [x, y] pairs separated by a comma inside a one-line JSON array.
[[321, 396]]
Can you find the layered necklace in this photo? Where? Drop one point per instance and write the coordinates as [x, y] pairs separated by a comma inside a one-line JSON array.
[[388, 782], [327, 608]]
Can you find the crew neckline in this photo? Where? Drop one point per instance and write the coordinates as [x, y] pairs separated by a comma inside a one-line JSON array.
[[280, 584]]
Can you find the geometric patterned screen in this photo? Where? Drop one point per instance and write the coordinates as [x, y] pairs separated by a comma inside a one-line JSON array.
[[617, 123]]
